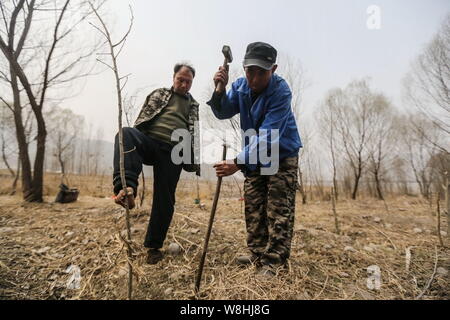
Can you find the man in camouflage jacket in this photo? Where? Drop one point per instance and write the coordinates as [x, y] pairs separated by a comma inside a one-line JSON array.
[[150, 142]]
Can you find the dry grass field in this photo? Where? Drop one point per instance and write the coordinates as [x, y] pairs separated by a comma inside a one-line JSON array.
[[38, 242]]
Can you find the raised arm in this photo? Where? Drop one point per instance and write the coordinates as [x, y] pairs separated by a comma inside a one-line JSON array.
[[224, 104]]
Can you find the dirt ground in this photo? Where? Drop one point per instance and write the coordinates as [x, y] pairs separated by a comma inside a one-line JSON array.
[[39, 242]]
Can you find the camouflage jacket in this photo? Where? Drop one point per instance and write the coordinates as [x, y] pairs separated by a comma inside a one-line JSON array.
[[155, 103]]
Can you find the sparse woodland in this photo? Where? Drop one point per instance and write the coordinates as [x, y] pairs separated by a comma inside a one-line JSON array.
[[374, 181]]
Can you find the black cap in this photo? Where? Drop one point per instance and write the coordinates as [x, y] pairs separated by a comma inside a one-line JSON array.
[[260, 54]]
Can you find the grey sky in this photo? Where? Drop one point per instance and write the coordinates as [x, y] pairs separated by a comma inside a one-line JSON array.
[[329, 37]]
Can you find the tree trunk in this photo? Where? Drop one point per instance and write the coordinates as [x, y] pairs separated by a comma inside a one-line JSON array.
[[14, 185], [21, 138], [335, 186], [5, 159], [355, 186], [38, 174], [61, 164], [333, 158], [378, 186], [31, 185], [333, 203]]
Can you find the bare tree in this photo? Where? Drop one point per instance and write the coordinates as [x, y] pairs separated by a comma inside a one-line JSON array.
[[427, 86], [97, 152], [439, 163], [86, 155], [327, 124], [304, 160], [292, 70], [381, 145], [114, 50], [356, 111], [399, 173], [419, 151], [64, 126], [38, 39]]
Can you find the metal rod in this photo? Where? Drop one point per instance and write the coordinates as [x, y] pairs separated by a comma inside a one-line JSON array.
[[208, 234]]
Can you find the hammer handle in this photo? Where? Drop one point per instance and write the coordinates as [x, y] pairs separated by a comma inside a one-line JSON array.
[[220, 87]]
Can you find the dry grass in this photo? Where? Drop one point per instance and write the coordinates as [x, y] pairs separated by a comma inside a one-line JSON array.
[[39, 241]]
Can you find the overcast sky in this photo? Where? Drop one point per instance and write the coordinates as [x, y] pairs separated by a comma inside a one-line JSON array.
[[329, 37]]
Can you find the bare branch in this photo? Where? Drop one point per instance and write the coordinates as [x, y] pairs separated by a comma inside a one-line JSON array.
[[124, 38], [50, 54], [110, 67], [26, 29], [7, 104]]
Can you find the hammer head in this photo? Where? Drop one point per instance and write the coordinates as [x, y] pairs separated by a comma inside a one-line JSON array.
[[226, 50]]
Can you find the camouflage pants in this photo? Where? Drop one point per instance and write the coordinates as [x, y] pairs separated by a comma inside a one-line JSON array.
[[270, 211]]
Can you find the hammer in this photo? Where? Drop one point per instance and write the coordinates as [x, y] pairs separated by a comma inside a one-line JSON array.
[[226, 50]]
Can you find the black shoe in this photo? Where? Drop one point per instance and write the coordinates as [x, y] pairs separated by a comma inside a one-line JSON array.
[[247, 259], [154, 256], [266, 272]]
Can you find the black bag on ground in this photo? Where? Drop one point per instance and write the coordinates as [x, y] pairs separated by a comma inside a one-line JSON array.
[[66, 195]]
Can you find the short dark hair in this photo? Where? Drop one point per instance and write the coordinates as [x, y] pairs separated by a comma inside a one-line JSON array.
[[180, 65]]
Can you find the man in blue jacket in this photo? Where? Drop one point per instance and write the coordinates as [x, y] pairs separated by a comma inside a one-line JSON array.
[[269, 159]]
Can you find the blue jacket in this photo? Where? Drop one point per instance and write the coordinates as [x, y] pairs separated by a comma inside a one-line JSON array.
[[271, 110]]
